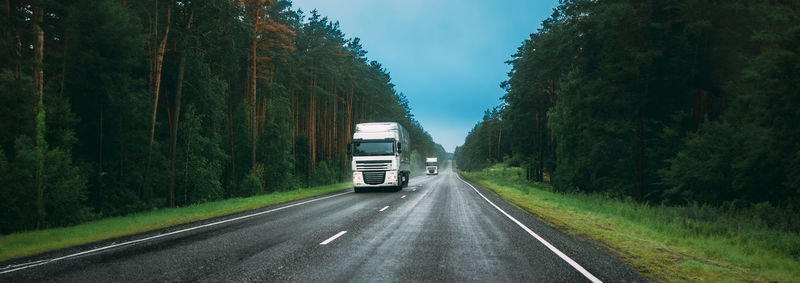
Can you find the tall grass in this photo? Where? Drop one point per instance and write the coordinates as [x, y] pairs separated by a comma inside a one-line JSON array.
[[668, 243]]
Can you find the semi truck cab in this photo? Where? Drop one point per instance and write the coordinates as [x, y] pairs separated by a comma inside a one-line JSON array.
[[431, 166], [380, 156]]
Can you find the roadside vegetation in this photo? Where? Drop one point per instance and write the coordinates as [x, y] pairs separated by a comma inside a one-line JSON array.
[[24, 244], [663, 101], [666, 243]]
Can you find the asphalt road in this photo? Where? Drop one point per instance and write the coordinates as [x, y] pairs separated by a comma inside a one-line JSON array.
[[438, 229]]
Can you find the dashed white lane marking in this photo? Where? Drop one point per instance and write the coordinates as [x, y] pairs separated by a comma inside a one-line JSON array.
[[384, 208], [333, 238], [43, 262], [404, 196], [552, 248]]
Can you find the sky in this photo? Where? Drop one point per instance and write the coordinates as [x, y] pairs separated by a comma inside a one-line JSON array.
[[447, 56]]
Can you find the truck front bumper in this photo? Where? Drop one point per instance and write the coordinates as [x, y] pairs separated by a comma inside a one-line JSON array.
[[370, 179]]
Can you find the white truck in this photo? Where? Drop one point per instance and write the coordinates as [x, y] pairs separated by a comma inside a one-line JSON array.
[[381, 156], [431, 166]]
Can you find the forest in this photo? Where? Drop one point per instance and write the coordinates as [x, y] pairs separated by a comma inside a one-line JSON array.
[[110, 107], [671, 102]]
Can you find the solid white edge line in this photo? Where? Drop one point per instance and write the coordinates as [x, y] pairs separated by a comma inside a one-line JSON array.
[[384, 208], [25, 264], [552, 248], [43, 262], [333, 238]]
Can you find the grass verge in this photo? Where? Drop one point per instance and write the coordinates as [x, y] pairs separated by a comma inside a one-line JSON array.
[[24, 244], [665, 243]]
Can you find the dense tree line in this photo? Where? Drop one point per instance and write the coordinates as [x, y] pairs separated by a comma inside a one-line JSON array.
[[109, 107], [673, 101]]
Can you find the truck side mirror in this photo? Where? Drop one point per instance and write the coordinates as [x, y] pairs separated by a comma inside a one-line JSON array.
[[399, 148], [349, 148]]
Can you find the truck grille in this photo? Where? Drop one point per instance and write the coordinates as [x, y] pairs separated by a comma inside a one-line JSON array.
[[374, 177], [368, 165]]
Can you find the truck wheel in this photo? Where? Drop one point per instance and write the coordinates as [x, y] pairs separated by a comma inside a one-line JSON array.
[[358, 190]]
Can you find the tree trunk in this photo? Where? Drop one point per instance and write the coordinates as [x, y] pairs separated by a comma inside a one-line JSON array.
[[310, 125], [231, 139], [156, 86], [38, 87], [540, 167], [640, 159], [253, 78], [295, 118], [349, 120], [100, 172], [157, 74], [334, 141], [499, 140], [176, 116], [542, 132], [326, 129], [38, 73], [186, 172], [120, 132], [63, 68], [640, 155], [313, 129], [696, 111], [489, 144]]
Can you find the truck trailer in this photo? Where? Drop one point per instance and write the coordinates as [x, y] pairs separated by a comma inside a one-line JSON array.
[[381, 156]]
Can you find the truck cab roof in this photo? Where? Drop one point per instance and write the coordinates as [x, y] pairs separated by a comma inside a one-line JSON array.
[[374, 136], [379, 127]]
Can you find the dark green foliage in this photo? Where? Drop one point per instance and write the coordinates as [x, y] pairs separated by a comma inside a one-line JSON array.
[[701, 172], [16, 107], [302, 160], [673, 102], [484, 145], [88, 152], [65, 194], [9, 199], [64, 189], [199, 160], [250, 185], [275, 142], [107, 93], [751, 153], [323, 175]]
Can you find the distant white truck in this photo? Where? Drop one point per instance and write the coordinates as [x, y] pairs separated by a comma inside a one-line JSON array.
[[431, 166], [381, 156]]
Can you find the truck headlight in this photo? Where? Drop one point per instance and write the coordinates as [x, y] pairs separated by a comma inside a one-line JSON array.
[[358, 178], [391, 176]]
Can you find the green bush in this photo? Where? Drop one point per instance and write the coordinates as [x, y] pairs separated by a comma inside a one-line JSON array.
[[250, 185], [323, 175]]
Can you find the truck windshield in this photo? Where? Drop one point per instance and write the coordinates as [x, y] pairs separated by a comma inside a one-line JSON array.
[[370, 148], [431, 164]]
